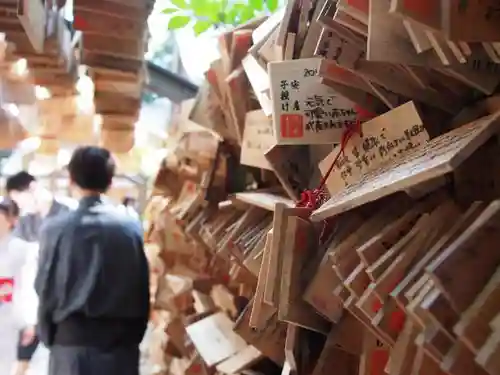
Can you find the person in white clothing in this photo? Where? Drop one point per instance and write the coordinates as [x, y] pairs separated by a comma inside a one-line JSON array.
[[38, 206], [18, 300]]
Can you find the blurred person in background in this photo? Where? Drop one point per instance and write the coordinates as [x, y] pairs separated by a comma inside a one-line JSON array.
[[18, 301], [93, 278], [37, 205]]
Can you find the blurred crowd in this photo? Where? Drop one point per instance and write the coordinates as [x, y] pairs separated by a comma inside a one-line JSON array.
[[73, 275]]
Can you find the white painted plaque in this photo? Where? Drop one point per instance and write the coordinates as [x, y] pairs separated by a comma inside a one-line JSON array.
[[304, 110]]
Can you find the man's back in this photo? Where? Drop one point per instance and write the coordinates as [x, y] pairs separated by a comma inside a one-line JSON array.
[[98, 284], [93, 278]]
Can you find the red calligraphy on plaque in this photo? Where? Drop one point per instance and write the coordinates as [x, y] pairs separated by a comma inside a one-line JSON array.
[[291, 126]]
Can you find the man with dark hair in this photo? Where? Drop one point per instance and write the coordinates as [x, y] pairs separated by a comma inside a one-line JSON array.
[[93, 280], [37, 205], [20, 181]]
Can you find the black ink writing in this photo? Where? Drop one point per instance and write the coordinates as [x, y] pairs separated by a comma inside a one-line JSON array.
[[341, 161], [284, 95], [318, 125], [386, 147], [310, 72], [321, 116], [481, 65], [373, 148], [319, 101], [287, 103]]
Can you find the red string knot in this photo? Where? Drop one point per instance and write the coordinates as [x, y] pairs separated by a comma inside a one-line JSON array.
[[314, 198]]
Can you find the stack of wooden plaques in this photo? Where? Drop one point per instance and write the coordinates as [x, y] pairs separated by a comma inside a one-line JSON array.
[[42, 49], [38, 38], [16, 86], [39, 34], [108, 37], [391, 109], [114, 40]]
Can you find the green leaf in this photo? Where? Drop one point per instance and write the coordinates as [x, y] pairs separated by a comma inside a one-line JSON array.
[[201, 26], [181, 4], [232, 16], [247, 14], [169, 10], [223, 5], [212, 11], [256, 4], [199, 7], [239, 7], [178, 22], [272, 5], [222, 18]]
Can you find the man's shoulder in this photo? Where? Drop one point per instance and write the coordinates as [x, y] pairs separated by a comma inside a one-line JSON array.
[[66, 203], [121, 219], [26, 218], [110, 216], [55, 223]]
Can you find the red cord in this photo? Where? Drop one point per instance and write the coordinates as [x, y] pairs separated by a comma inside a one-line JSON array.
[[312, 199]]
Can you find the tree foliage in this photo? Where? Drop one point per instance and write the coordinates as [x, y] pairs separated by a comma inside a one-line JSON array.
[[202, 15]]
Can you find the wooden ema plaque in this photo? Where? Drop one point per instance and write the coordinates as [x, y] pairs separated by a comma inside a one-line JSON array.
[[263, 199], [304, 110], [426, 12], [292, 166], [299, 238], [258, 138], [384, 138], [482, 17], [270, 339], [435, 159], [406, 41], [214, 338]]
